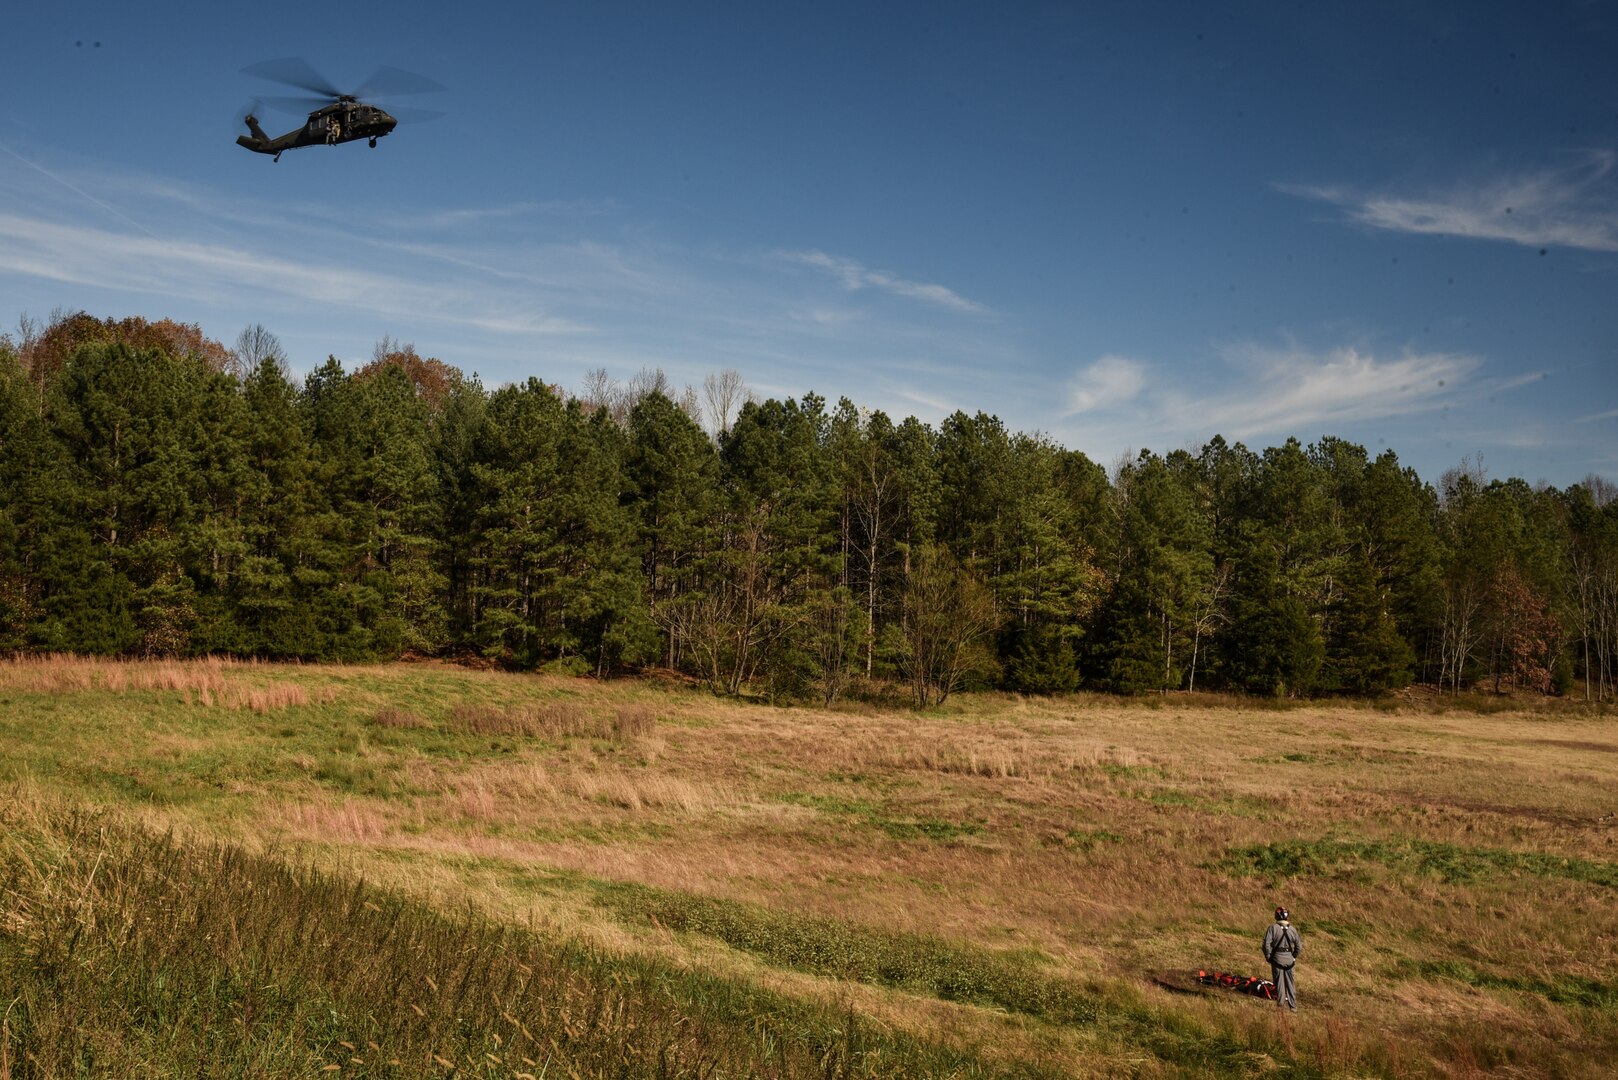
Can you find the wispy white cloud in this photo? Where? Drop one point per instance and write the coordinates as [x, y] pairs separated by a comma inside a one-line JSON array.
[[830, 318], [104, 258], [932, 403], [1288, 389], [79, 191], [460, 217], [854, 277], [1574, 206], [1512, 382], [521, 289], [1109, 382], [1258, 391], [1522, 438], [1610, 414]]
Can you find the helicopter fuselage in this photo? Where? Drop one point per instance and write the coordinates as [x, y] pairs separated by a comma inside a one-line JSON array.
[[344, 120]]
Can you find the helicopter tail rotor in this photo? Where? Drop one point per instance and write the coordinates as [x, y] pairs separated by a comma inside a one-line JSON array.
[[247, 116]]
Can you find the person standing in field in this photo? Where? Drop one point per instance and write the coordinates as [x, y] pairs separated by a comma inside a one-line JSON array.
[[1282, 947]]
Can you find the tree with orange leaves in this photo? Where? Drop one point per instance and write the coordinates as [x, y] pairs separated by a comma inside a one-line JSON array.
[[433, 379], [44, 352]]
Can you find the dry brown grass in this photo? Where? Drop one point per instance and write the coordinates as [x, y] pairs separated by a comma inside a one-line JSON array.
[[403, 719], [208, 682], [547, 797], [343, 822], [555, 720], [1088, 829]]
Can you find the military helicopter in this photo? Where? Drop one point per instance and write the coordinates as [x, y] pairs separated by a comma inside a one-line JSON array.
[[340, 117]]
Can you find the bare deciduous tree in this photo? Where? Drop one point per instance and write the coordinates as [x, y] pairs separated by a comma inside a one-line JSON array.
[[386, 346], [1471, 471], [1602, 491], [600, 389], [689, 404], [723, 393], [254, 345], [642, 385]]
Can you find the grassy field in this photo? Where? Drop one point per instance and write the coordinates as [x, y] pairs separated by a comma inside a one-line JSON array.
[[236, 869]]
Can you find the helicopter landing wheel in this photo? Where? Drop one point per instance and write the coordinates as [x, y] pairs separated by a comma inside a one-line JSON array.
[[373, 142]]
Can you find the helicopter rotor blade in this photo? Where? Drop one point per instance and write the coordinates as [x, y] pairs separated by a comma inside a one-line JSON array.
[[294, 71], [390, 81], [414, 116], [298, 105]]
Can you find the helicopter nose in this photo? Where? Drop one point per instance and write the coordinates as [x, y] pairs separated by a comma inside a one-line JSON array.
[[388, 122]]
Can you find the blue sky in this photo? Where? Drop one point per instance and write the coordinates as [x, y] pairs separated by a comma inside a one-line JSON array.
[[1125, 225]]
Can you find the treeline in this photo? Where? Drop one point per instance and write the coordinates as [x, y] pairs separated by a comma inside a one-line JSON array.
[[161, 495]]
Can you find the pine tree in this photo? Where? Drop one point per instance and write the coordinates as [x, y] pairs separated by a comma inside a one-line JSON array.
[[1366, 654], [1273, 646], [1163, 570], [215, 544], [123, 417], [1048, 583], [455, 440], [672, 471], [516, 466], [281, 576], [555, 574], [1395, 516], [774, 557], [610, 623], [29, 470]]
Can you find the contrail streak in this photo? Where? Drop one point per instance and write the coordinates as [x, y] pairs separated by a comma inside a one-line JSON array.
[[120, 215]]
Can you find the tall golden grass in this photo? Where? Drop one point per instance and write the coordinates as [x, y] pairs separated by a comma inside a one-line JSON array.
[[208, 682], [554, 719]]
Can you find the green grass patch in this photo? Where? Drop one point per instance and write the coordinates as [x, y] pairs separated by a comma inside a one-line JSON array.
[[359, 776], [1341, 931], [1452, 863], [1132, 772], [1219, 806], [134, 784], [1563, 990], [875, 816], [843, 950]]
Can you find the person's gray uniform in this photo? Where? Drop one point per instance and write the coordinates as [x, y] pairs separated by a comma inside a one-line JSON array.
[[1282, 947]]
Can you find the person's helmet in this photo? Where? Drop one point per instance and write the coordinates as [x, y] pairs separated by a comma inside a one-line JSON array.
[[1281, 914]]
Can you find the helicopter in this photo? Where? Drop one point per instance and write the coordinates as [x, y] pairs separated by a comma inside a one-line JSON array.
[[340, 117]]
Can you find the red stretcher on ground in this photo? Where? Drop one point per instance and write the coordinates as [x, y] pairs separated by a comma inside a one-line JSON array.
[[1251, 985], [1203, 980]]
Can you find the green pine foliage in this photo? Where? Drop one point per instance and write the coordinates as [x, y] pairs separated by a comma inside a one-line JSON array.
[[155, 502], [29, 466]]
